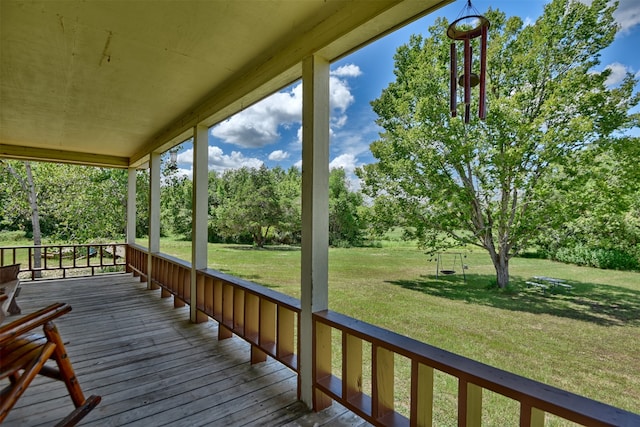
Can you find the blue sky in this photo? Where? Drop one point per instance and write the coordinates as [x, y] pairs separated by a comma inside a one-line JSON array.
[[270, 131]]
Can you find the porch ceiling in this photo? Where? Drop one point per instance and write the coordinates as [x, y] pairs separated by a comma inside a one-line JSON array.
[[108, 82]]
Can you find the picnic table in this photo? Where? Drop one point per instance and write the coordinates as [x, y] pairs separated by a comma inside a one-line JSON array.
[[545, 283]]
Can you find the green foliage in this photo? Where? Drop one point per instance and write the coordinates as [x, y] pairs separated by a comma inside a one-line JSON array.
[[596, 208], [346, 222], [75, 203], [613, 259], [482, 184], [80, 204], [176, 205], [250, 203], [142, 203], [12, 236]]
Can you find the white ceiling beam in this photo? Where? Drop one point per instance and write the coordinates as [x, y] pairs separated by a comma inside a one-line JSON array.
[[18, 152]]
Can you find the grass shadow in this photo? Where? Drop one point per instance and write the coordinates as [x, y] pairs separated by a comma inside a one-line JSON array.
[[590, 302]]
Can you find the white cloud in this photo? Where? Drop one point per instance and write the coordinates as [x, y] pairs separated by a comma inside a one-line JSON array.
[[260, 124], [345, 161], [219, 161], [349, 70], [278, 155], [618, 73], [348, 162], [627, 15], [339, 94]]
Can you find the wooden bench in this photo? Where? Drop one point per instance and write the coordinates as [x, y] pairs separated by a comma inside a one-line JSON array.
[[9, 290]]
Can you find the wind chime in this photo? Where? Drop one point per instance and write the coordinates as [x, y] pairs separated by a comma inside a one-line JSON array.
[[466, 28]]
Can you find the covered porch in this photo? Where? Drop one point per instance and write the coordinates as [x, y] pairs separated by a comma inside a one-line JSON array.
[[117, 84]]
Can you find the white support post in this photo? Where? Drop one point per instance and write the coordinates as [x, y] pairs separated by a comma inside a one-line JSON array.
[[131, 206], [154, 213], [315, 210], [200, 212]]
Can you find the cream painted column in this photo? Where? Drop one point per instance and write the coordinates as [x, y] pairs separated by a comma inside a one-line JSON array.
[[154, 213], [315, 210], [200, 212], [131, 206]]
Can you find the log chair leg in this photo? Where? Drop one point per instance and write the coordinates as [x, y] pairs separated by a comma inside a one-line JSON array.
[[64, 364], [30, 372]]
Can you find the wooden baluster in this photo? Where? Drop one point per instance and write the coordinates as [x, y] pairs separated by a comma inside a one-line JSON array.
[[208, 295], [238, 310], [285, 340], [201, 314], [421, 395], [251, 317], [322, 363], [227, 307], [469, 404], [352, 370], [383, 382], [267, 332], [530, 416]]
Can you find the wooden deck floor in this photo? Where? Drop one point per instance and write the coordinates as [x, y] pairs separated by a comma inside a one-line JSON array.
[[152, 367]]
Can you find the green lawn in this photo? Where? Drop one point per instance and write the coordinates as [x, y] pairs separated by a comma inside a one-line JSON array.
[[585, 340]]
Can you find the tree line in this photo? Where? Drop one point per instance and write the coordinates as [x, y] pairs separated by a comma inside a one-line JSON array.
[[66, 203]]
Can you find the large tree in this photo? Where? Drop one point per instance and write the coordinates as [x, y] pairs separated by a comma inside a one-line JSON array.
[[250, 204], [346, 222], [449, 182]]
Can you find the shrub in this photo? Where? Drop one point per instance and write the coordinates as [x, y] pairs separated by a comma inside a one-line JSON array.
[[12, 236], [612, 259]]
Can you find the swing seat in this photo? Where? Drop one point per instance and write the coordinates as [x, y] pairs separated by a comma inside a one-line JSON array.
[[447, 271]]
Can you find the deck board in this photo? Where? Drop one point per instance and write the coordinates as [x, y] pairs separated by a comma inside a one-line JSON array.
[[153, 367]]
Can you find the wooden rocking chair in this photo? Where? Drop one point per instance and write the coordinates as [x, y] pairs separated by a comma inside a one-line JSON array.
[[21, 350]]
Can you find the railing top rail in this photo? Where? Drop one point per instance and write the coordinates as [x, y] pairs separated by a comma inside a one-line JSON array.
[[543, 396], [264, 292], [173, 260], [274, 296], [138, 247], [61, 245]]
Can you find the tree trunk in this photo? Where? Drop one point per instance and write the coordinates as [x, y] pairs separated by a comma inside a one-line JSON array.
[[35, 221], [501, 264]]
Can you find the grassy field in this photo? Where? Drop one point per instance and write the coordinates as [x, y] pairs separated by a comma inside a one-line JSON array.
[[584, 340]]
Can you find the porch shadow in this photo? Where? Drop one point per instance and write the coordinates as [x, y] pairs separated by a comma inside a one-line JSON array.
[[590, 302]]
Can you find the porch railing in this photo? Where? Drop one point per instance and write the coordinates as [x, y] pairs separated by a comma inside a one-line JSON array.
[[534, 398], [65, 260], [270, 322]]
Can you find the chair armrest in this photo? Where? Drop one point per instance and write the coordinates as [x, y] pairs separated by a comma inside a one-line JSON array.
[[32, 321]]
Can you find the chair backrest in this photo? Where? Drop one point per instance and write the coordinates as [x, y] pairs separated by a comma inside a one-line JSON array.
[[9, 273]]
